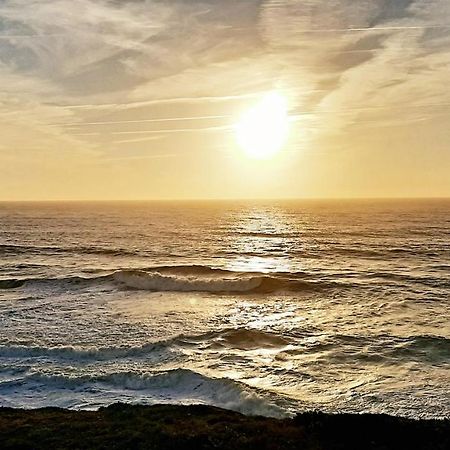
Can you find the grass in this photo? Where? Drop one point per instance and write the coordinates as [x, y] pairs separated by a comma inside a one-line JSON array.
[[162, 427]]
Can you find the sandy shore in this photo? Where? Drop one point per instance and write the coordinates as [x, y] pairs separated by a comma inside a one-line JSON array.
[[122, 426]]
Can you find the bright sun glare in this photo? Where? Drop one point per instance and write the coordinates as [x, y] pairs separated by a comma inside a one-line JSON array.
[[262, 130]]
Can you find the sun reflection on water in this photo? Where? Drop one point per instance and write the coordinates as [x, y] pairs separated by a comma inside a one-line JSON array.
[[262, 264], [259, 238]]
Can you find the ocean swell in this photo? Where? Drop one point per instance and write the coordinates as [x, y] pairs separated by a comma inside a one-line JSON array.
[[238, 338], [14, 249], [182, 279]]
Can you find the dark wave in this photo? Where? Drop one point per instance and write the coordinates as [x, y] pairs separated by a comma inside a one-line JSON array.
[[431, 348], [235, 338], [431, 281], [33, 249], [11, 283], [359, 252], [379, 349], [61, 282]]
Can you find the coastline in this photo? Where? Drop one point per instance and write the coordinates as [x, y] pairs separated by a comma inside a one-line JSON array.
[[123, 426]]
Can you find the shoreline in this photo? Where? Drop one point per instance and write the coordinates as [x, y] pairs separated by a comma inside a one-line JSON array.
[[124, 426]]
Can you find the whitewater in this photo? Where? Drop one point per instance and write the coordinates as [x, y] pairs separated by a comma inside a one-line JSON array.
[[261, 307]]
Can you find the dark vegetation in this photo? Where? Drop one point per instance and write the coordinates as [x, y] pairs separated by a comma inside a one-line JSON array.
[[164, 427]]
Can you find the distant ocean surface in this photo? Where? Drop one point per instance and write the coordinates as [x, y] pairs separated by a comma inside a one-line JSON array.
[[261, 307]]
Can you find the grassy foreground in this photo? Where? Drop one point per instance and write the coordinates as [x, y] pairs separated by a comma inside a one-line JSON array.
[[163, 427]]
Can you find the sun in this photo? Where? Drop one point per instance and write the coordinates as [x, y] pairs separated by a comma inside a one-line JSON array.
[[262, 130]]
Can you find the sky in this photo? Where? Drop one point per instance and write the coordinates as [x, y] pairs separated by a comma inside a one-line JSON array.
[[140, 99]]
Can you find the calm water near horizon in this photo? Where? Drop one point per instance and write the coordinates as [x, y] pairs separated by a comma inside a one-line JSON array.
[[263, 307]]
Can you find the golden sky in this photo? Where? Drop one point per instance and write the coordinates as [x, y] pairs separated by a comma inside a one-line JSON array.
[[140, 99]]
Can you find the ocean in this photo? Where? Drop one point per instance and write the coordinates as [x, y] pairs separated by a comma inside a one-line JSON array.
[[262, 307]]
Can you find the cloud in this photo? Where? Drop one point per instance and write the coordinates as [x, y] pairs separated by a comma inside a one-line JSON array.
[[102, 52], [77, 74], [94, 46], [365, 58]]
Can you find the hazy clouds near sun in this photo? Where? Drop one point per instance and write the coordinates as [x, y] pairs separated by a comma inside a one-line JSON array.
[[137, 99]]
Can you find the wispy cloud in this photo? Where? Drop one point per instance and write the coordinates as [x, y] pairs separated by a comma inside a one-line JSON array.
[[76, 75]]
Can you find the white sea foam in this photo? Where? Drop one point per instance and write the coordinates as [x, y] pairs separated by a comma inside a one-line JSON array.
[[173, 386]]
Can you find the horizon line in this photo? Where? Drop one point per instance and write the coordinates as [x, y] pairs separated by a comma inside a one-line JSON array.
[[220, 199]]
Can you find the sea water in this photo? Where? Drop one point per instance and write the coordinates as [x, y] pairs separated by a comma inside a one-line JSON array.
[[261, 307]]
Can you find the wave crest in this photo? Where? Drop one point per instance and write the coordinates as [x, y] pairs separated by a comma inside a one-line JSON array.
[[156, 281], [172, 386], [160, 350], [195, 278], [213, 281]]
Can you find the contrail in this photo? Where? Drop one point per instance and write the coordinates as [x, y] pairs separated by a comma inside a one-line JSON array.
[[169, 119], [33, 36], [174, 130], [389, 28], [126, 105]]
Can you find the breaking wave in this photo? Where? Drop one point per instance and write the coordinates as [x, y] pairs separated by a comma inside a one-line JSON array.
[[155, 281], [239, 338], [184, 279], [214, 281], [173, 386], [84, 354]]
